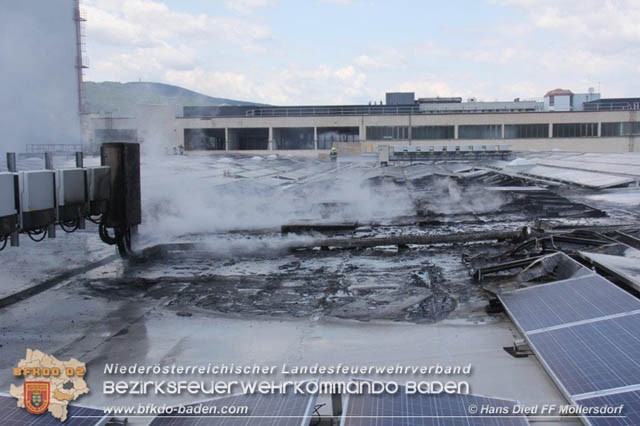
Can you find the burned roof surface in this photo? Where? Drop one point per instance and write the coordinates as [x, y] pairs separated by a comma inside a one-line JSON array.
[[289, 259]]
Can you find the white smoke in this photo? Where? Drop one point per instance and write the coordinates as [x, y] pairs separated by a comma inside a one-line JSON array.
[[191, 195], [449, 197], [39, 98]]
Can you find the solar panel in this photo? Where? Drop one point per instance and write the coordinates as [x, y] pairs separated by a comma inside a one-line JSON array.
[[12, 415], [263, 410], [625, 158], [592, 166], [568, 301], [593, 356], [578, 177], [404, 409], [626, 268], [630, 412]]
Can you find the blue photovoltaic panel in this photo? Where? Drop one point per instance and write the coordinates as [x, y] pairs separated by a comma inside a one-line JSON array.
[[263, 410], [401, 409], [630, 412], [567, 301], [12, 415], [593, 356]]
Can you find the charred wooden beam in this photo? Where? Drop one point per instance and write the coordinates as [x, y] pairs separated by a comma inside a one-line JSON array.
[[463, 237]]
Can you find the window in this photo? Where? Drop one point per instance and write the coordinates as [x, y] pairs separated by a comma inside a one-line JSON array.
[[551, 100], [621, 129], [522, 131], [575, 130], [432, 132], [491, 131], [328, 135], [379, 133]]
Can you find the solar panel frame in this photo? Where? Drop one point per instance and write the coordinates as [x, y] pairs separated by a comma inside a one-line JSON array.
[[251, 419], [539, 307], [599, 373], [21, 417], [448, 409]]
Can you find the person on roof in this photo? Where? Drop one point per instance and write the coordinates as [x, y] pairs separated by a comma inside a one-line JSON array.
[[333, 153]]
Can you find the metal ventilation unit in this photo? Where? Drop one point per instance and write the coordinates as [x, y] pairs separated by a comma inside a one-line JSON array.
[[37, 199], [71, 185], [426, 153], [9, 204], [35, 202], [99, 189]]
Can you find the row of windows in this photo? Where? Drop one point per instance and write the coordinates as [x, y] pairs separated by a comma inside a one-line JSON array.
[[494, 131], [526, 131], [432, 132], [490, 131], [575, 130], [621, 129], [380, 133]]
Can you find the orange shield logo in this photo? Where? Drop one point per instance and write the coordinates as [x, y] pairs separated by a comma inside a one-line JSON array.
[[36, 397]]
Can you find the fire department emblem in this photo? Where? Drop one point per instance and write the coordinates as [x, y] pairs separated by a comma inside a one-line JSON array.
[[36, 397]]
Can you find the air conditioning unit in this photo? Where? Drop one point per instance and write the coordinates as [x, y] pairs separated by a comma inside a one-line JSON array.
[[37, 199], [9, 203], [71, 185], [99, 189]]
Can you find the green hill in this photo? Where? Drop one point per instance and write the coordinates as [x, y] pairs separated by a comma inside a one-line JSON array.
[[120, 99]]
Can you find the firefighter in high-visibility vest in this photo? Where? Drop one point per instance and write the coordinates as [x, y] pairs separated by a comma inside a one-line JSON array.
[[333, 153]]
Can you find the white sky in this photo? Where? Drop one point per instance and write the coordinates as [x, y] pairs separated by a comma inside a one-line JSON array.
[[353, 51]]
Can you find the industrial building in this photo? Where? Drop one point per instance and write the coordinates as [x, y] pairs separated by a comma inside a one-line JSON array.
[[564, 121]]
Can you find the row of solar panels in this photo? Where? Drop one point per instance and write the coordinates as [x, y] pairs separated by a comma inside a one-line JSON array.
[[618, 169], [586, 333], [625, 266], [587, 179], [399, 409], [451, 148], [34, 199]]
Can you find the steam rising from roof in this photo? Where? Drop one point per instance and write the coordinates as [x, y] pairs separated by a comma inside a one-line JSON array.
[[39, 98]]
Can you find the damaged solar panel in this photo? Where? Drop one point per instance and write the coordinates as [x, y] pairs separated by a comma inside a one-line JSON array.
[[626, 268], [586, 179]]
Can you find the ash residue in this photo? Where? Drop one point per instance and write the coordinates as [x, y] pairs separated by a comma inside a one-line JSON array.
[[368, 285]]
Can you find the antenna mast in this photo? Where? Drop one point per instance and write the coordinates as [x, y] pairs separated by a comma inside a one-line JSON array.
[[80, 65]]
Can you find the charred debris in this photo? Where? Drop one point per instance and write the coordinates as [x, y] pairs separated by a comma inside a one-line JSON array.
[[470, 233]]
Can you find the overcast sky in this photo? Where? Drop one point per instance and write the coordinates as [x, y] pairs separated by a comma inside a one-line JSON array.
[[353, 51]]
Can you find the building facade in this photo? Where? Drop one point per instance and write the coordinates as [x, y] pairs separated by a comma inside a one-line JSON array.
[[525, 125], [602, 131]]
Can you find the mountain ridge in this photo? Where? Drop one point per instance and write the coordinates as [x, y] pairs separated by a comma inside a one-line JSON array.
[[120, 99]]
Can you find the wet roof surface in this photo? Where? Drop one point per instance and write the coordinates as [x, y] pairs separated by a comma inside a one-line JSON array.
[[229, 290]]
